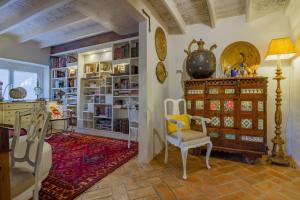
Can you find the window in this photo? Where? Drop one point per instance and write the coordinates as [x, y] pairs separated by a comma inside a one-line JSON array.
[[15, 74], [4, 78], [26, 80]]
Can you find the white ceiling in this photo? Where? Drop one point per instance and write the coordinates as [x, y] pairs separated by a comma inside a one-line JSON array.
[[209, 11], [52, 22]]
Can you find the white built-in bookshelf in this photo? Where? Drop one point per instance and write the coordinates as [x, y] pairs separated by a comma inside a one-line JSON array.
[[107, 79], [64, 77], [110, 79]]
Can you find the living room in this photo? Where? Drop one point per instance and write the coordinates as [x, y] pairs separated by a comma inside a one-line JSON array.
[[149, 99]]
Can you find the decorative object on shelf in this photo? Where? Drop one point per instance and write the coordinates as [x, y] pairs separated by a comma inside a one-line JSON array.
[[60, 94], [161, 72], [280, 49], [200, 63], [17, 93], [233, 72], [242, 56], [160, 44]]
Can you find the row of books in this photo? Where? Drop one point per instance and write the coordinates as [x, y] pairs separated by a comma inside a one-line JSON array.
[[57, 62], [121, 125], [135, 49], [121, 52], [103, 110], [59, 74], [103, 124]]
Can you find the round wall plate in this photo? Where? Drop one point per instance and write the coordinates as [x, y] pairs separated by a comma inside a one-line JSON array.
[[161, 72], [240, 52], [160, 44]]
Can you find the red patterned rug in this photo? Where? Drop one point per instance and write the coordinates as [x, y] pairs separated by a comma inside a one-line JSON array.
[[79, 161]]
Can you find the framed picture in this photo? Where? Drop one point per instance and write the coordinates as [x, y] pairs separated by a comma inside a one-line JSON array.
[[55, 109]]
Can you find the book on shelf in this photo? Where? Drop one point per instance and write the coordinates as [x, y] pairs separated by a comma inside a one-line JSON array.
[[121, 125], [103, 110], [58, 62], [121, 52], [135, 49]]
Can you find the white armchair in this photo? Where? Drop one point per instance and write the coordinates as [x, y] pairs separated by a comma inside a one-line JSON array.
[[183, 137]]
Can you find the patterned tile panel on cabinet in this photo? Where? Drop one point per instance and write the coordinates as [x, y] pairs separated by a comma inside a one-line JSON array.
[[246, 106], [215, 105]]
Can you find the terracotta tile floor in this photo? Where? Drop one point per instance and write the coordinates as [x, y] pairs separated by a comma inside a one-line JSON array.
[[227, 180]]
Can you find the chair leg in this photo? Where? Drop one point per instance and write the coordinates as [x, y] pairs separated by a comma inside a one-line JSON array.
[[208, 151], [136, 135], [166, 151], [184, 153], [36, 191], [129, 139]]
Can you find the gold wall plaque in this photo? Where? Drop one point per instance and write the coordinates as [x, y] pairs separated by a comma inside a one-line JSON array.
[[240, 52], [161, 72], [160, 44]]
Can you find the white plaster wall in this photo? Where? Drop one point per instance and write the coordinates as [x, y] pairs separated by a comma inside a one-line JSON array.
[[152, 93], [230, 30], [30, 51], [293, 13], [295, 110]]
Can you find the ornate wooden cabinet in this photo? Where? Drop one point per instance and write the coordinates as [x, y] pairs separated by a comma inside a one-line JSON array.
[[237, 109]]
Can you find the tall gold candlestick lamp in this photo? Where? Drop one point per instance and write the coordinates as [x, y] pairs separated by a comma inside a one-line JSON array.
[[279, 49]]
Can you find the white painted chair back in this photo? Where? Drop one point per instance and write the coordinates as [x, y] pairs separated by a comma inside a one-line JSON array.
[[30, 150], [175, 106]]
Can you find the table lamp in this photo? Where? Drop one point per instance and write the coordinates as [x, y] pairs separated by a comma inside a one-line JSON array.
[[279, 49]]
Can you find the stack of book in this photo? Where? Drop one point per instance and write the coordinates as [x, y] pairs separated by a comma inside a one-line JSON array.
[[135, 50], [57, 62], [121, 125], [121, 52]]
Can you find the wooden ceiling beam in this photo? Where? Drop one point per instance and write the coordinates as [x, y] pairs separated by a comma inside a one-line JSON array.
[[212, 13], [74, 35], [101, 12], [249, 10], [54, 26], [36, 10], [5, 3], [90, 41], [171, 6]]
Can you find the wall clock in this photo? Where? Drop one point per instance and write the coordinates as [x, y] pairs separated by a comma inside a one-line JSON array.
[[160, 44], [161, 72]]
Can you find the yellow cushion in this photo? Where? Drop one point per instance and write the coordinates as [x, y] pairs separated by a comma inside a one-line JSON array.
[[183, 118]]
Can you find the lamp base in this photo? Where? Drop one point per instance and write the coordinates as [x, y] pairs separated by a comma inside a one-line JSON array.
[[283, 160]]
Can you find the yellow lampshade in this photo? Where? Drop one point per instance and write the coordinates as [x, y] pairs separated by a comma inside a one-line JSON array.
[[280, 48]]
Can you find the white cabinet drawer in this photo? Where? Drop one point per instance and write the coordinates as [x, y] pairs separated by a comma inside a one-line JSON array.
[[17, 106]]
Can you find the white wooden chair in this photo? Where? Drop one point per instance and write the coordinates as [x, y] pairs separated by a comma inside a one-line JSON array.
[[133, 121], [185, 139], [26, 182]]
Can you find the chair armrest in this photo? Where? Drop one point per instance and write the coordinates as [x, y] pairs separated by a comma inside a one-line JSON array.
[[203, 120]]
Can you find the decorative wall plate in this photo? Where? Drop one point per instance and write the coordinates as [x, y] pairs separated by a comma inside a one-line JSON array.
[[160, 44], [161, 72], [240, 52]]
